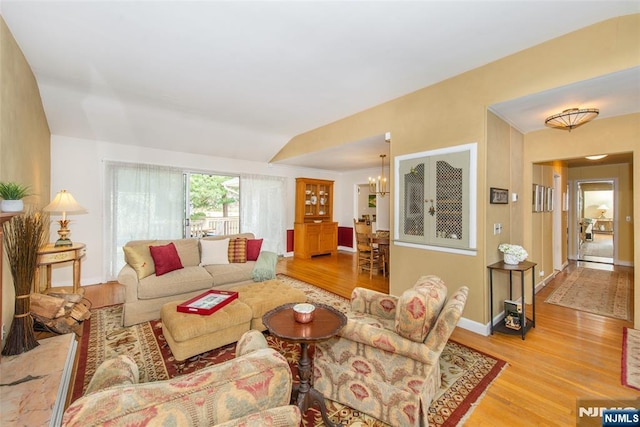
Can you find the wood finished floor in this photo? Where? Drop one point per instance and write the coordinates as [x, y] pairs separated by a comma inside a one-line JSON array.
[[569, 355]]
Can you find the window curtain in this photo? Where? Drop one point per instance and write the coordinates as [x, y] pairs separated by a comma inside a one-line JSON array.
[[141, 202], [263, 210]]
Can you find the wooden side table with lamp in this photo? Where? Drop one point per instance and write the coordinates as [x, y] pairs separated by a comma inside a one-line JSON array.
[[51, 254], [63, 250]]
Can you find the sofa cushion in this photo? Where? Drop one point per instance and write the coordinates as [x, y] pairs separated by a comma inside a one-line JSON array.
[[238, 250], [187, 279], [214, 252], [139, 257], [230, 273], [419, 307], [189, 251], [253, 249], [165, 258]]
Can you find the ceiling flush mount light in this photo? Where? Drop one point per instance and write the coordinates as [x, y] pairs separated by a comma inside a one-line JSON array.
[[598, 157], [571, 118], [64, 203]]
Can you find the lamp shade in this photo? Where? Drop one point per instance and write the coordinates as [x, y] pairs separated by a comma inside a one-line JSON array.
[[603, 207], [64, 203]]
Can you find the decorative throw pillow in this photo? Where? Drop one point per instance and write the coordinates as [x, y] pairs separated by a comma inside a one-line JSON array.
[[139, 257], [265, 268], [165, 258], [238, 250], [214, 251], [253, 249]]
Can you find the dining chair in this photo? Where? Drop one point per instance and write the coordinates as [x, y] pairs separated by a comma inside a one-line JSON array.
[[369, 256]]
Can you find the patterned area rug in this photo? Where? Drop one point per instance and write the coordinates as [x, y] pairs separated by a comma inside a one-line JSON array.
[[466, 373], [631, 358], [597, 291], [602, 246]]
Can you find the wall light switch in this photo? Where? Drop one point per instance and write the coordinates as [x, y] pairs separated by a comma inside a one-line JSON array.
[[514, 197]]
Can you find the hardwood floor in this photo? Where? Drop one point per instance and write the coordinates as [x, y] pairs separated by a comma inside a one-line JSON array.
[[568, 356]]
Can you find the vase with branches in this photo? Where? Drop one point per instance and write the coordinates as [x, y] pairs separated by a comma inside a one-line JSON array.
[[23, 235]]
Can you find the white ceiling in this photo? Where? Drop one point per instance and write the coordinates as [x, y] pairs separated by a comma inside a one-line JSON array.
[[239, 79]]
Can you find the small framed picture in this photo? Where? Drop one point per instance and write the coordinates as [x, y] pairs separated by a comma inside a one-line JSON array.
[[499, 196], [549, 199]]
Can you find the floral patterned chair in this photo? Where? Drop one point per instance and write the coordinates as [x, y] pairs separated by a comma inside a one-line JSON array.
[[385, 361], [254, 389]]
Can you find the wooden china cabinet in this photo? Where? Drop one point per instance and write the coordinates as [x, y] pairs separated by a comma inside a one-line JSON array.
[[314, 232]]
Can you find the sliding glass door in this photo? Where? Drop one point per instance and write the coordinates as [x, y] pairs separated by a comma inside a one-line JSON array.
[[213, 206]]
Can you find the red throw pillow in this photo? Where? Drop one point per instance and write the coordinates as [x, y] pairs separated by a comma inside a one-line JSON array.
[[165, 258], [253, 249]]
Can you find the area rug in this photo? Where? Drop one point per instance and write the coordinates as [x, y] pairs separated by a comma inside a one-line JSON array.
[[466, 373], [631, 358], [596, 291], [601, 246]]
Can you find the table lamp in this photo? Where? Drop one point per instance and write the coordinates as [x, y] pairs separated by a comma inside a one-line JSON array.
[[64, 203], [603, 208]]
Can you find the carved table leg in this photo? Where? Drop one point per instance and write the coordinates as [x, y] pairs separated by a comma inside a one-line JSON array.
[[305, 396]]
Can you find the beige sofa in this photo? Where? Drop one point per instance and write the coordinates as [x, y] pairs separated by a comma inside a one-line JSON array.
[[253, 389], [145, 296]]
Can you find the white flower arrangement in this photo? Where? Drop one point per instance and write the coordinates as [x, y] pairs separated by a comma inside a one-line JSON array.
[[516, 251]]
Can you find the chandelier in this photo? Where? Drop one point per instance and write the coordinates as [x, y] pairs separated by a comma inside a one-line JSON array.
[[379, 186], [571, 118]]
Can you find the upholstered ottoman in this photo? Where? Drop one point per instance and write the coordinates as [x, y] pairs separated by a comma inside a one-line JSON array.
[[265, 296], [190, 334]]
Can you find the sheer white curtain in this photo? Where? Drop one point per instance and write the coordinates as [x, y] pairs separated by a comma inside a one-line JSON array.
[[141, 202], [263, 210]]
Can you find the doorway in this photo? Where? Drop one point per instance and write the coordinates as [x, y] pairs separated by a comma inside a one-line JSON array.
[[595, 221]]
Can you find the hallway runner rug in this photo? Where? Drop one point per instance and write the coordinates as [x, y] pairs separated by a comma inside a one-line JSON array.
[[631, 358], [596, 291], [466, 373]]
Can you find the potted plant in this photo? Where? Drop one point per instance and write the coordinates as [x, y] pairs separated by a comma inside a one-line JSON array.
[[11, 194], [513, 254]]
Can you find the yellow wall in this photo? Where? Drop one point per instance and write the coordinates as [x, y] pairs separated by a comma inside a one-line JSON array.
[[454, 112], [24, 139]]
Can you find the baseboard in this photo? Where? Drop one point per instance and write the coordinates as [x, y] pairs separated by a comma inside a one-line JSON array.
[[473, 326]]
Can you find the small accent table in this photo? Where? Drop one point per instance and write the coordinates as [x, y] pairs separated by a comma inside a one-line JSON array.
[[326, 323], [522, 268], [50, 254]]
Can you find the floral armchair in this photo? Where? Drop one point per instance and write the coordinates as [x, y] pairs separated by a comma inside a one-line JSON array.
[[254, 389], [385, 361]]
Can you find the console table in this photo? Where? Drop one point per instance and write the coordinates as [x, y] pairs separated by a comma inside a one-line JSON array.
[[603, 225], [522, 267], [50, 254]]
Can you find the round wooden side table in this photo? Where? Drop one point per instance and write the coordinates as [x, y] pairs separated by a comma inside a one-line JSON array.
[[326, 323]]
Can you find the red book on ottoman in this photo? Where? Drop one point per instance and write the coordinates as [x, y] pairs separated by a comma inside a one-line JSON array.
[[207, 302]]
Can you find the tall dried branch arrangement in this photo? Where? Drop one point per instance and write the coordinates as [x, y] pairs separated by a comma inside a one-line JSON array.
[[23, 235]]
